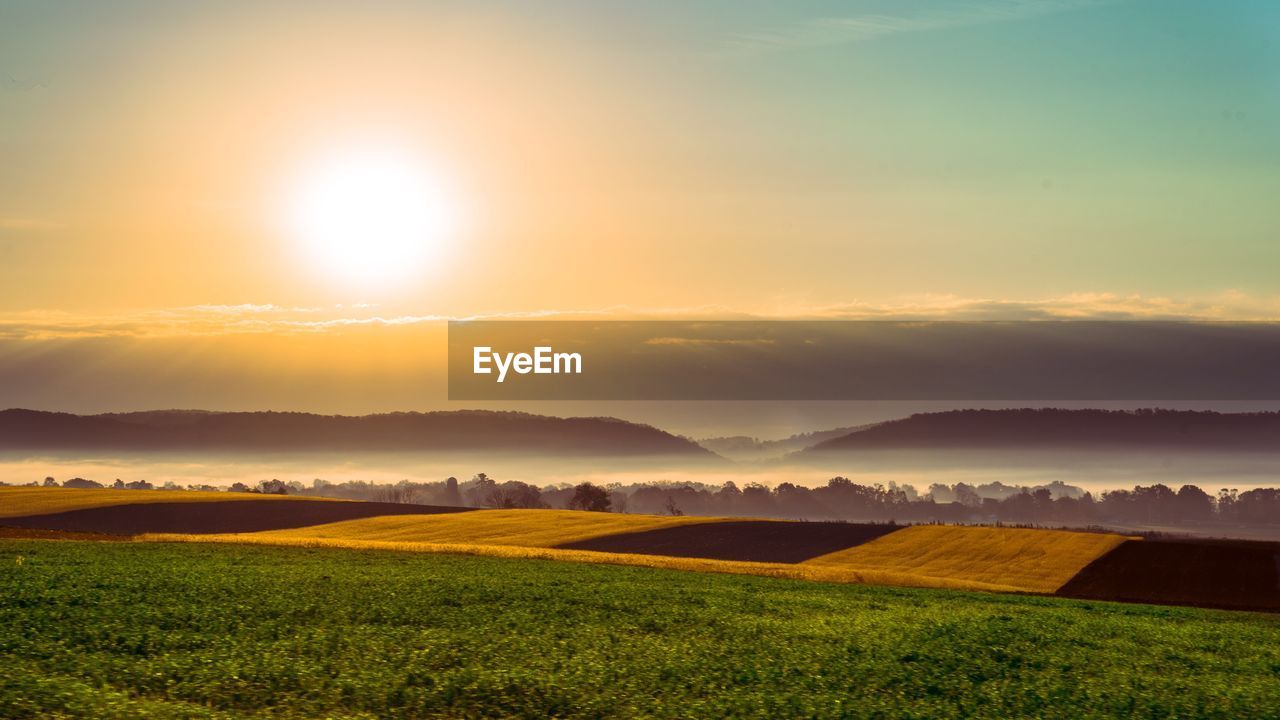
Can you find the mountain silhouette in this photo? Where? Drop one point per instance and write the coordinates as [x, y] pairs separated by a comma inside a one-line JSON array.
[[403, 431], [1053, 428]]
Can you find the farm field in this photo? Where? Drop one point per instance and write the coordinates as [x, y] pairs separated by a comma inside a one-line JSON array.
[[20, 501], [1086, 565], [1025, 559], [976, 558], [794, 571], [234, 516], [109, 630], [542, 528], [1237, 574], [749, 540]]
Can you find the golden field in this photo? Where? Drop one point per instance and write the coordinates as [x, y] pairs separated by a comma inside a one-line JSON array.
[[819, 573], [20, 501], [526, 528], [1028, 560], [940, 556]]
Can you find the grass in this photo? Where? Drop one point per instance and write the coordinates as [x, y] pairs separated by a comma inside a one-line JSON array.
[[1023, 559], [20, 501], [124, 630], [527, 528]]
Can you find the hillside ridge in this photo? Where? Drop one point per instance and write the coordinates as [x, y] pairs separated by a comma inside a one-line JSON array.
[[275, 430]]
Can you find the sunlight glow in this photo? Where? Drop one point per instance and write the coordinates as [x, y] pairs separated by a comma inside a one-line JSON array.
[[370, 216]]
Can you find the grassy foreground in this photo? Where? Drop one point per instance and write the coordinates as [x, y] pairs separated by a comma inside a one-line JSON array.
[[209, 630]]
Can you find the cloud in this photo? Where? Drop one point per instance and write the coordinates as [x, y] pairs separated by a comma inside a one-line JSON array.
[[194, 321], [827, 31], [250, 318], [1228, 306]]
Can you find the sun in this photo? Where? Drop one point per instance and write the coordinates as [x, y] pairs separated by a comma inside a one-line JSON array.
[[369, 216]]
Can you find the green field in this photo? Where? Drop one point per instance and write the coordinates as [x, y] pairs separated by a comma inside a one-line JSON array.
[[180, 630]]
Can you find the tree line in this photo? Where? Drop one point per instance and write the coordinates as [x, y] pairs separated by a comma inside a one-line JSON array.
[[838, 499]]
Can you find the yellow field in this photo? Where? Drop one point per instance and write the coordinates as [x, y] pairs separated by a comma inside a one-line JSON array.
[[20, 501], [795, 572], [1022, 559], [527, 528], [939, 556]]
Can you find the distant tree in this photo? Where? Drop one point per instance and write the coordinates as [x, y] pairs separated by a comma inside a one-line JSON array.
[[729, 490], [757, 500], [966, 495], [1042, 504], [1258, 506], [401, 492], [907, 492], [1227, 503], [1193, 504], [590, 497], [238, 487], [942, 493], [50, 482], [273, 487], [672, 507], [78, 482], [1158, 503], [139, 485], [514, 494], [118, 484], [618, 500], [797, 501], [480, 490], [171, 485]]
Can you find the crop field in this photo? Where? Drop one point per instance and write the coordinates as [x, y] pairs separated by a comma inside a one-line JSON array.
[[1235, 574], [20, 501], [1018, 558], [794, 571], [752, 540], [541, 528], [1084, 565], [111, 630], [973, 558]]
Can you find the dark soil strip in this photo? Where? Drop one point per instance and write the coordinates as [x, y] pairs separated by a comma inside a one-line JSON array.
[[228, 516], [758, 540], [1233, 575], [37, 534]]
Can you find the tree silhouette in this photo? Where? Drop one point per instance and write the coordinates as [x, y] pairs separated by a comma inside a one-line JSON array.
[[590, 497]]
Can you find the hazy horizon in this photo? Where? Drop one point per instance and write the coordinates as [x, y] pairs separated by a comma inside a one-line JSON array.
[[763, 420]]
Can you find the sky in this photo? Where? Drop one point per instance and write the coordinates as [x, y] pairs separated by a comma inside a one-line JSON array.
[[985, 158]]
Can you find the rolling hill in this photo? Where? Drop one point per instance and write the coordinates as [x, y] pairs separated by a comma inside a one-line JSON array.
[[1054, 428], [744, 447], [408, 431]]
